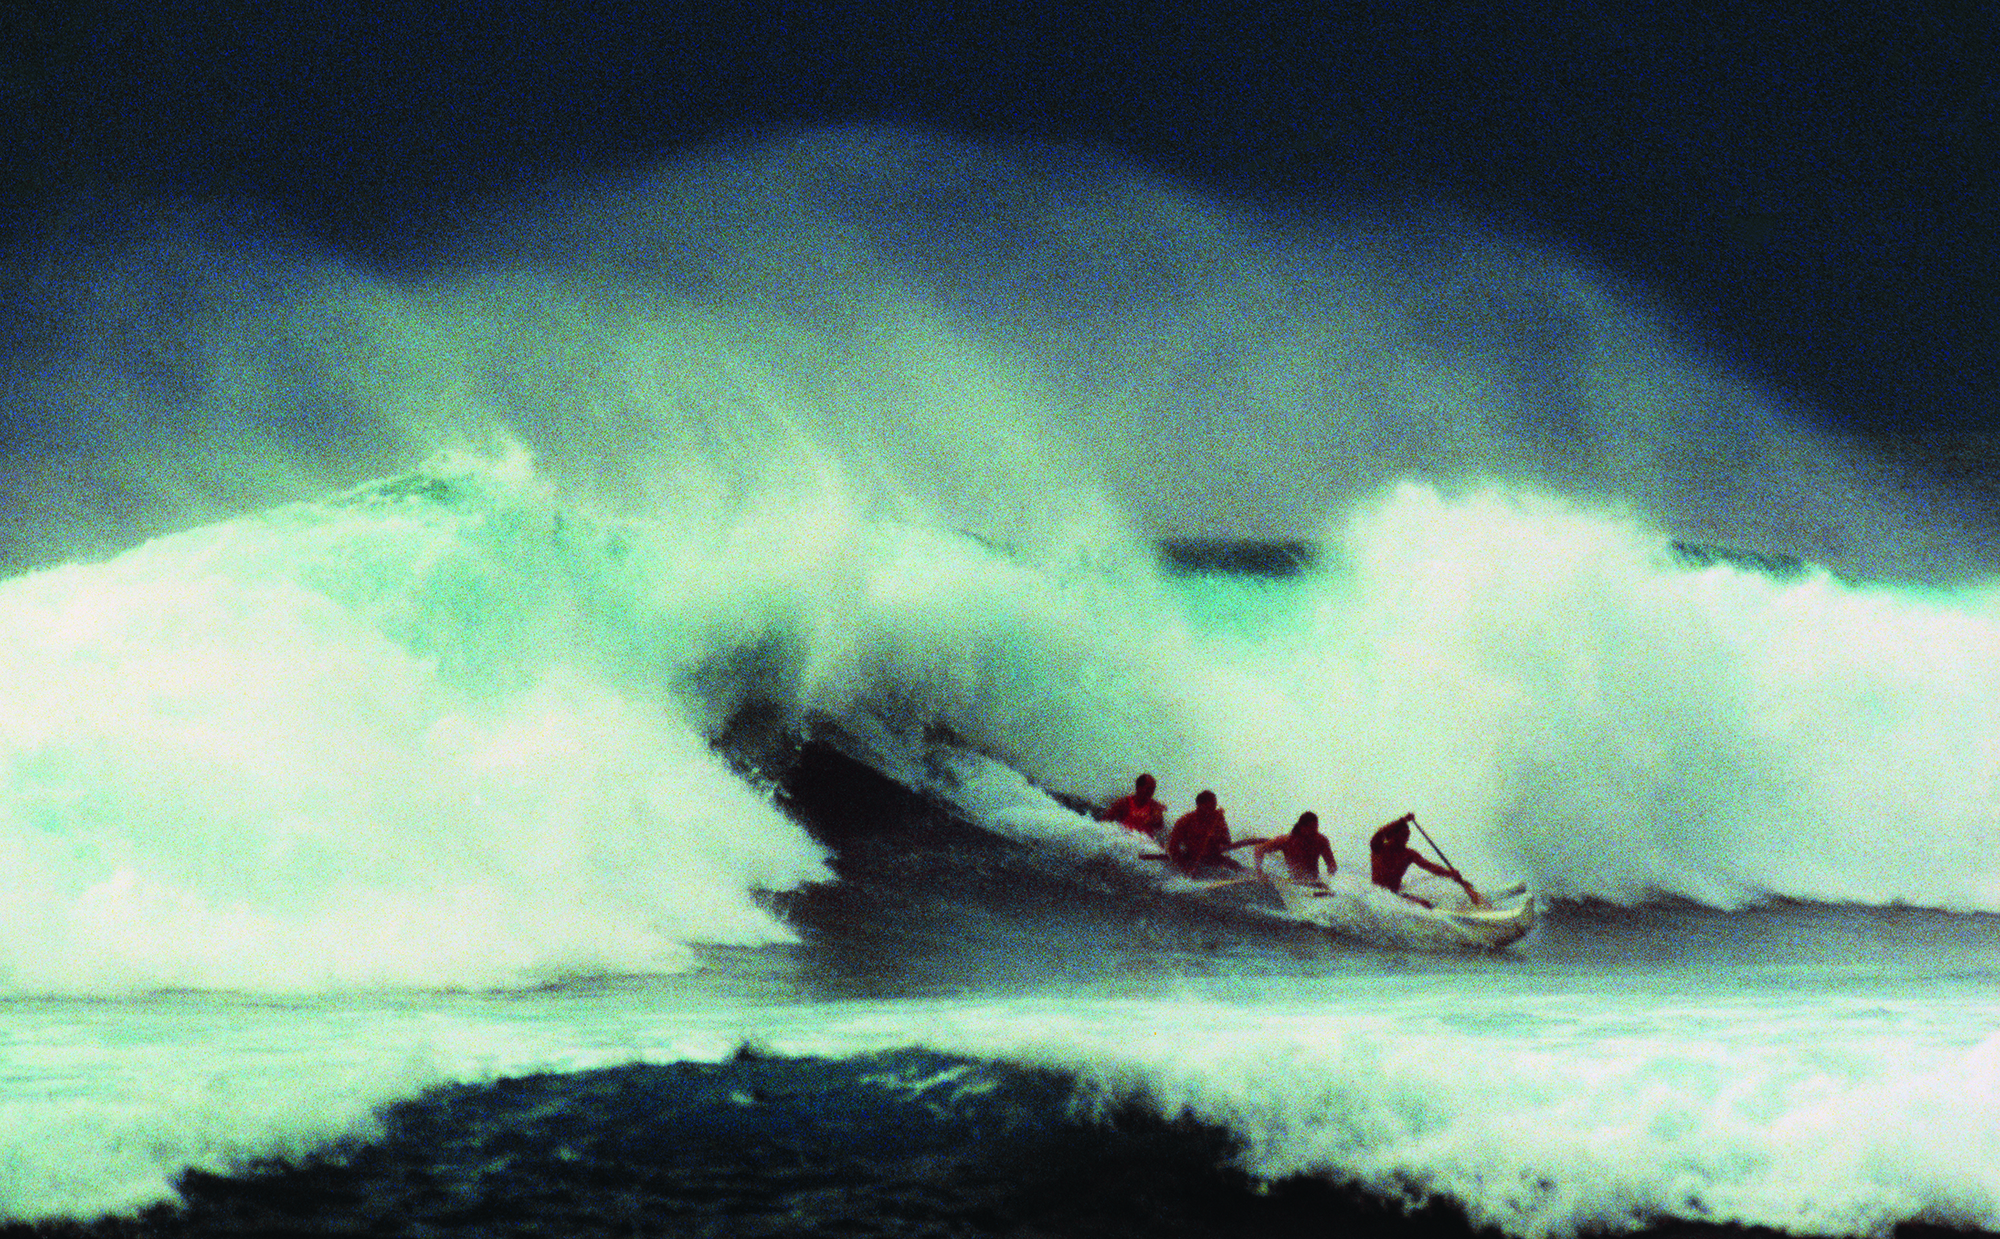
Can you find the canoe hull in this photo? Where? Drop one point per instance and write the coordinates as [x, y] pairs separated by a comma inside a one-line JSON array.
[[1382, 917]]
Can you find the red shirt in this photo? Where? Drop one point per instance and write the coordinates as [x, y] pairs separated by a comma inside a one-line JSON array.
[[1144, 816], [1198, 839], [1387, 862]]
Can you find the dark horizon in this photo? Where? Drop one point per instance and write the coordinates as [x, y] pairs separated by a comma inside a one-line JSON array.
[[1803, 191]]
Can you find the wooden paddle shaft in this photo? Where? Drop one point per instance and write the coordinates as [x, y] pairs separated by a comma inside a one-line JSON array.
[[1434, 844]]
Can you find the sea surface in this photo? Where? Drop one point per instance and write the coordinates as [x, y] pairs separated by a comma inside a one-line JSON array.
[[346, 805], [425, 805]]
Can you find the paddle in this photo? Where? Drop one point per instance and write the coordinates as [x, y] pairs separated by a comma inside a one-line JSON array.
[[1478, 900]]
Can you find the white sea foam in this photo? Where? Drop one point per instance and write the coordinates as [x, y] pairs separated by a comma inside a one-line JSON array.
[[360, 744], [1561, 698], [1544, 1102], [1558, 694], [1549, 1113], [1544, 1105], [447, 732], [104, 1104], [1717, 733]]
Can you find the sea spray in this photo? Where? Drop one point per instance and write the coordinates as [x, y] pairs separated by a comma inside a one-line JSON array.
[[1566, 698], [447, 731], [376, 741]]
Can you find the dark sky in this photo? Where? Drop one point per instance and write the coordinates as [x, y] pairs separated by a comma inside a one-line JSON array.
[[1811, 187]]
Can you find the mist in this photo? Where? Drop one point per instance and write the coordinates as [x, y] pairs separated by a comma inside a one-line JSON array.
[[1016, 341]]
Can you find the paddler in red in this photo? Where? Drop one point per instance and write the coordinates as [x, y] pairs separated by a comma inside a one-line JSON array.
[[1201, 838], [1390, 856], [1138, 811], [1303, 849]]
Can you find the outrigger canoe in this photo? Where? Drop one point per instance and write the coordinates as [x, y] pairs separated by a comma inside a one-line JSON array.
[[1359, 910], [1001, 799]]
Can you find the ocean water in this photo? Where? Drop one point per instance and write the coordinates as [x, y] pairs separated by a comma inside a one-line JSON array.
[[508, 759], [318, 809]]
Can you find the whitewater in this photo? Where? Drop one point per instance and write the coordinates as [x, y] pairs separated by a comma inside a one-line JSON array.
[[414, 679]]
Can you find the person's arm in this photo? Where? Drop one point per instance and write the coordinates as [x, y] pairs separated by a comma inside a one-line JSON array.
[[1264, 846], [1422, 861], [1326, 854], [1446, 871]]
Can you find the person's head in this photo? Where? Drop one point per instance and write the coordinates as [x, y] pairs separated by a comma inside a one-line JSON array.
[[1308, 823], [1206, 800], [1143, 786], [1397, 831]]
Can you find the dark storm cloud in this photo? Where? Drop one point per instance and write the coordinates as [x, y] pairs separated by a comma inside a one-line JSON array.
[[1809, 191]]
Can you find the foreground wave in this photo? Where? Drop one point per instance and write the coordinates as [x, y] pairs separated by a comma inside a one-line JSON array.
[[906, 1142]]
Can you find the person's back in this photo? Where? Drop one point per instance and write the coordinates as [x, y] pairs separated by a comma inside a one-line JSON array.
[[1200, 837], [1303, 847], [1389, 860], [1390, 857]]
